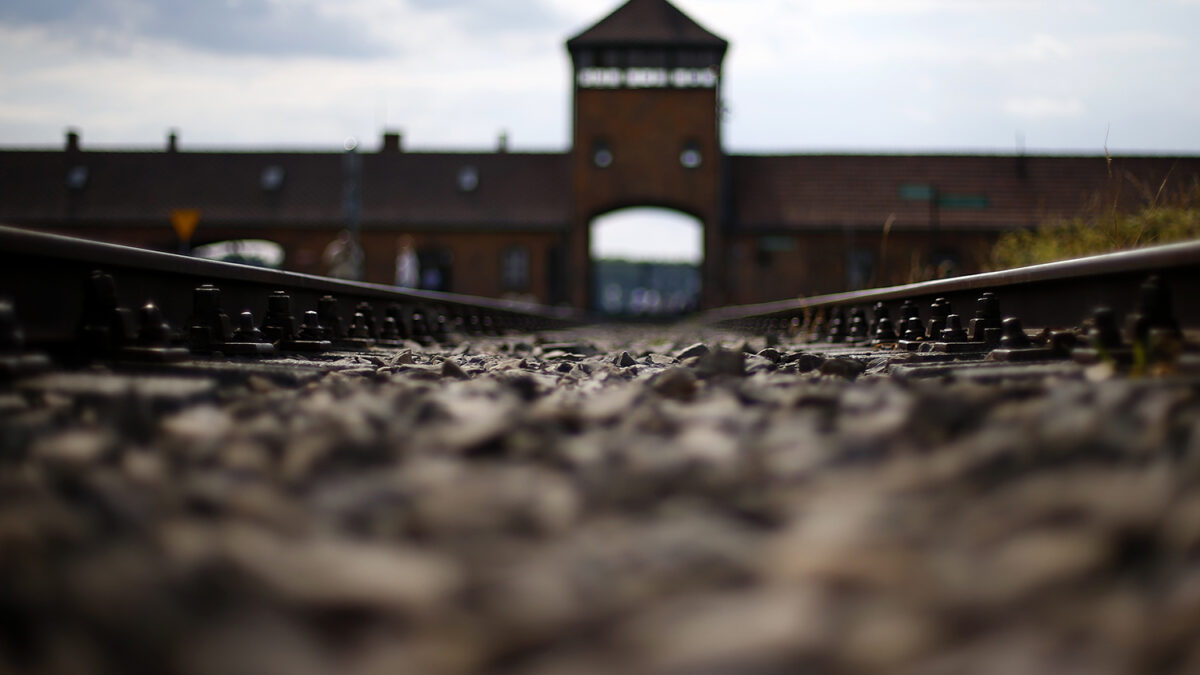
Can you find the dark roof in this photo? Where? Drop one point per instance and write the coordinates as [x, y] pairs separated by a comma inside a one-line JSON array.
[[399, 189], [647, 22], [975, 191], [532, 191]]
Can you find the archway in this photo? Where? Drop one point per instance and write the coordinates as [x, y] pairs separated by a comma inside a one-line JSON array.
[[645, 262]]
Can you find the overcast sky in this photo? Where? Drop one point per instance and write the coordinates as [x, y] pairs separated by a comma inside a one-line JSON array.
[[857, 75]]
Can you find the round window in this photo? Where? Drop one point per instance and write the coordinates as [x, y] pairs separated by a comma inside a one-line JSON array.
[[468, 178], [690, 158], [603, 157]]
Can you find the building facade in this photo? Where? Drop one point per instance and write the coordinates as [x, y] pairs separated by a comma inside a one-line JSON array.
[[646, 132]]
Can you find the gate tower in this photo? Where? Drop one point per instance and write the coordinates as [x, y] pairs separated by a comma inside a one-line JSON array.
[[646, 119]]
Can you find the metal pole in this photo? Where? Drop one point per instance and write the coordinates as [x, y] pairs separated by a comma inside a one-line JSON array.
[[352, 202]]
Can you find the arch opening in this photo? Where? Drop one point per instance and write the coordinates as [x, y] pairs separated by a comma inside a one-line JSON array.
[[645, 262]]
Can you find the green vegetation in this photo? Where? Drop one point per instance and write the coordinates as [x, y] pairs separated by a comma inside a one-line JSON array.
[[1159, 221]]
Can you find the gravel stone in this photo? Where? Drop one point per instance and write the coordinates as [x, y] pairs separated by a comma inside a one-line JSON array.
[[698, 349], [847, 368], [624, 360], [548, 503]]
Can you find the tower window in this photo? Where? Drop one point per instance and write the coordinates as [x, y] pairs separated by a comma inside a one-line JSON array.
[[690, 158], [602, 155]]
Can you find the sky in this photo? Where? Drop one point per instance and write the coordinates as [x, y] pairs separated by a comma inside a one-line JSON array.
[[801, 75]]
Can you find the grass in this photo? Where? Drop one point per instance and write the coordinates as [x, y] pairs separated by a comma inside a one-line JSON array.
[[1106, 227]]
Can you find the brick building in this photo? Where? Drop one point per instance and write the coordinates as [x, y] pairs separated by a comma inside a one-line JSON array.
[[646, 132]]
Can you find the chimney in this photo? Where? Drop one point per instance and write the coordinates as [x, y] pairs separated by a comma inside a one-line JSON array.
[[391, 141], [72, 140], [502, 143], [173, 141]]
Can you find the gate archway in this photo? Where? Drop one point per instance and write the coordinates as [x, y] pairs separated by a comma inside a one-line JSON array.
[[645, 262]]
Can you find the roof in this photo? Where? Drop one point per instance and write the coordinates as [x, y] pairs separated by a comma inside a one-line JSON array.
[[532, 191], [984, 192], [647, 22], [513, 191]]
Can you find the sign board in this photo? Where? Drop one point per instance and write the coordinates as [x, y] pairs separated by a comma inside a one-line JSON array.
[[184, 221], [916, 192]]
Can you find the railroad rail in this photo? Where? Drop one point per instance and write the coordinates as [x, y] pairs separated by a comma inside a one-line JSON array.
[[79, 298], [71, 292], [1042, 312]]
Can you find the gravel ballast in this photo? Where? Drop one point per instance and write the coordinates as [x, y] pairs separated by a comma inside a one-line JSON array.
[[622, 501]]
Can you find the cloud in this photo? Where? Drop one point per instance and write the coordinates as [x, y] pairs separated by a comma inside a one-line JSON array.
[[488, 16], [1035, 107], [235, 27], [1040, 48]]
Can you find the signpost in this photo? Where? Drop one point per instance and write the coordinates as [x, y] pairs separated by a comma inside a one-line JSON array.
[[184, 221]]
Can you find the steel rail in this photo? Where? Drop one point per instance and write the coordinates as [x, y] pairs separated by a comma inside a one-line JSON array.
[[44, 276], [1056, 294]]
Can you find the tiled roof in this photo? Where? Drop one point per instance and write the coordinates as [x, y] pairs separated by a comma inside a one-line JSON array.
[[656, 22], [532, 191], [420, 190], [974, 191]]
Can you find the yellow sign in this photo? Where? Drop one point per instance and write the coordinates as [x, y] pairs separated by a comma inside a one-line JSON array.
[[184, 221]]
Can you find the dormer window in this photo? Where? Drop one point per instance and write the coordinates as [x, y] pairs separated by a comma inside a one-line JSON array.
[[77, 177], [468, 179], [272, 178]]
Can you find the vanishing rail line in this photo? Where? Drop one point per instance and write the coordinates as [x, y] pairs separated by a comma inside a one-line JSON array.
[[1136, 286], [70, 294], [64, 288]]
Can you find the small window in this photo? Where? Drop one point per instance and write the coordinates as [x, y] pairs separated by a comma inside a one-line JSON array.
[[690, 158], [272, 178], [585, 58], [514, 268], [436, 264], [860, 268], [611, 58], [77, 177], [602, 155], [468, 179]]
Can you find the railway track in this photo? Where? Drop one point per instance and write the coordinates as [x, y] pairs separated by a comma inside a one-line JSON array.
[[369, 480]]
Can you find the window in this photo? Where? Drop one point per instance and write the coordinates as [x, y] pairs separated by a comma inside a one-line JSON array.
[[585, 58], [514, 268], [602, 155], [272, 178], [860, 268], [696, 58], [436, 264], [468, 178], [77, 177], [690, 158]]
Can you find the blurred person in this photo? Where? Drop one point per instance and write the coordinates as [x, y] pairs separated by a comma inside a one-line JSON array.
[[408, 266], [343, 257]]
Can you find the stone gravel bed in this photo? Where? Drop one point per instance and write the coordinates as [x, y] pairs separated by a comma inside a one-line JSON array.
[[611, 501]]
